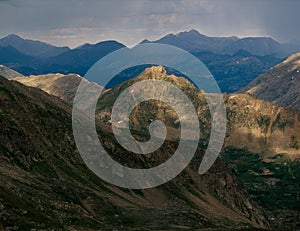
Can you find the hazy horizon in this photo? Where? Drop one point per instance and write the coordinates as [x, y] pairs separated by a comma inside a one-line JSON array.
[[72, 23]]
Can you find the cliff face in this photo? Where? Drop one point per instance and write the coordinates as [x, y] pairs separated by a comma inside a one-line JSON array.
[[45, 184], [262, 127]]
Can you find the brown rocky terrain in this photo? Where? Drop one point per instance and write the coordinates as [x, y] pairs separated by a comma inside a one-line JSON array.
[[254, 124], [45, 184], [262, 127], [62, 86], [262, 142]]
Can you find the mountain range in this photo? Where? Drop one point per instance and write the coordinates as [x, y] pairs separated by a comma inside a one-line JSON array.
[[234, 62], [262, 142], [253, 185], [32, 48], [193, 41], [46, 185]]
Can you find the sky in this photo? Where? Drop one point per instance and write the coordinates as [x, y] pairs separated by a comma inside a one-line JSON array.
[[74, 22]]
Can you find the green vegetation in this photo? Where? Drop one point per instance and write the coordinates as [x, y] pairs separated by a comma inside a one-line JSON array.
[[263, 121], [273, 184], [294, 142]]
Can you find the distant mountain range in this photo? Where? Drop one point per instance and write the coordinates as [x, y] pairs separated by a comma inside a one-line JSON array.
[[280, 85], [34, 57], [234, 62], [193, 41], [31, 47]]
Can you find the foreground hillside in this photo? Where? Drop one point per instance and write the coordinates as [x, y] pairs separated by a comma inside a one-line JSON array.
[[46, 185], [262, 142]]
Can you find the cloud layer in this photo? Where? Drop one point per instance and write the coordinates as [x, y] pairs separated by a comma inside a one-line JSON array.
[[72, 22]]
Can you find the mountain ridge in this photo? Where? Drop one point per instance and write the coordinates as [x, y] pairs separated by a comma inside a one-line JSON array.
[[230, 75], [279, 85], [47, 186], [193, 41], [30, 47]]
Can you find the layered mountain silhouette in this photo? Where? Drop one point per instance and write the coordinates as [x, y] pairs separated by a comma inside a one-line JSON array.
[[193, 41], [280, 85], [234, 62], [80, 59], [31, 47]]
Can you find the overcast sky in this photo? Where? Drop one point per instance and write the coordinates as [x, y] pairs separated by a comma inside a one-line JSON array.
[[73, 22]]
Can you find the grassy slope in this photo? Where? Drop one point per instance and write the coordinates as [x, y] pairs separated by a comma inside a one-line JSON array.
[[274, 184]]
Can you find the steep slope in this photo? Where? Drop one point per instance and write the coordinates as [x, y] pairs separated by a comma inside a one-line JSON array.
[[62, 86], [232, 72], [263, 146], [273, 182], [8, 73], [31, 47], [262, 127], [280, 85], [46, 185], [262, 142]]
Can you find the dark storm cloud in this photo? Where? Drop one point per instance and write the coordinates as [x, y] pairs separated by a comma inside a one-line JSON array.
[[282, 20], [71, 22]]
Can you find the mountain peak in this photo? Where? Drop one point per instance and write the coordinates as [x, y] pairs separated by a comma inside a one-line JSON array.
[[192, 32], [160, 73], [12, 36], [144, 41], [155, 71]]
